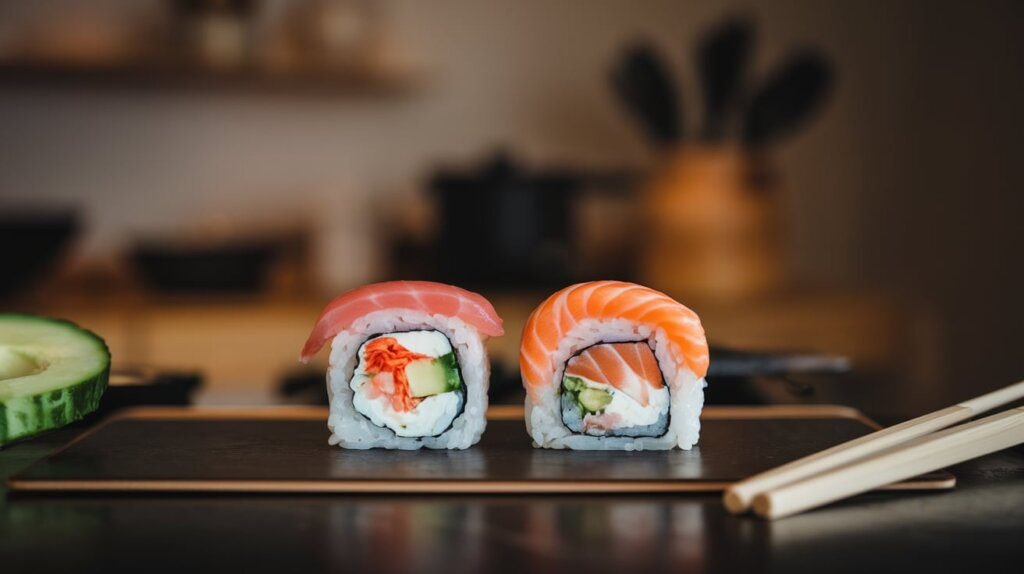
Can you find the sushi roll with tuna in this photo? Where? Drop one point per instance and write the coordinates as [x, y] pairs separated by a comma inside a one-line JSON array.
[[408, 368], [609, 365]]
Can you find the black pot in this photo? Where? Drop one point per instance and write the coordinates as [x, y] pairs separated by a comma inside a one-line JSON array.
[[502, 226]]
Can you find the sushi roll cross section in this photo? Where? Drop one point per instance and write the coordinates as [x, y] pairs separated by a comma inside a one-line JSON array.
[[610, 365], [615, 389], [408, 368], [409, 382]]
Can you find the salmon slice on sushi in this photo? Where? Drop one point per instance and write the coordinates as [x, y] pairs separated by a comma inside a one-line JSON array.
[[408, 368], [610, 365]]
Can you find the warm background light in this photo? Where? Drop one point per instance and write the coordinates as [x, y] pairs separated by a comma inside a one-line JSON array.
[[891, 233]]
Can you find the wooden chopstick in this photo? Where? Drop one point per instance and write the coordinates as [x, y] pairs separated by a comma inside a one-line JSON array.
[[739, 497], [918, 456]]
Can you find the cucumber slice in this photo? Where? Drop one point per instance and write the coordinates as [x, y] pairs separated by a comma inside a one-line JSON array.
[[594, 400], [450, 363], [573, 384], [589, 399], [52, 373], [428, 377]]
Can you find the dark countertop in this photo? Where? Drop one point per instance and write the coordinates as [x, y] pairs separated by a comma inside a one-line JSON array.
[[977, 527]]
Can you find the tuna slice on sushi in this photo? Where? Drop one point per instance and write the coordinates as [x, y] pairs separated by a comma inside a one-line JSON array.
[[408, 368], [609, 365]]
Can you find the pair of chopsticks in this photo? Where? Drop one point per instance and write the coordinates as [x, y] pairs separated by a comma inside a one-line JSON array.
[[896, 453]]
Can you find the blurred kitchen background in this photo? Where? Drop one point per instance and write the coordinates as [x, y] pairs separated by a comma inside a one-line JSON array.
[[195, 179]]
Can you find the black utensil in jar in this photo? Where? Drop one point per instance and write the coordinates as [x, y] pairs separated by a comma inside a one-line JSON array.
[[789, 97], [642, 81], [722, 59]]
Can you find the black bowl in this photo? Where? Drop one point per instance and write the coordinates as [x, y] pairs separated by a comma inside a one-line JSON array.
[[134, 386], [33, 242], [237, 268]]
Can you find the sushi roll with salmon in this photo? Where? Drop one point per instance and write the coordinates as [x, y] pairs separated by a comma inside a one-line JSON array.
[[408, 368], [609, 365]]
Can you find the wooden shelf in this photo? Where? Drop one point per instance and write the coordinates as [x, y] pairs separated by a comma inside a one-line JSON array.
[[163, 77]]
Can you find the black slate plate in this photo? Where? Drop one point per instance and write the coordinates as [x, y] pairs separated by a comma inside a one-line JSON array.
[[286, 450]]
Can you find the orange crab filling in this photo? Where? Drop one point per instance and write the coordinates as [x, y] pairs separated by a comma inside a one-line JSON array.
[[385, 360]]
